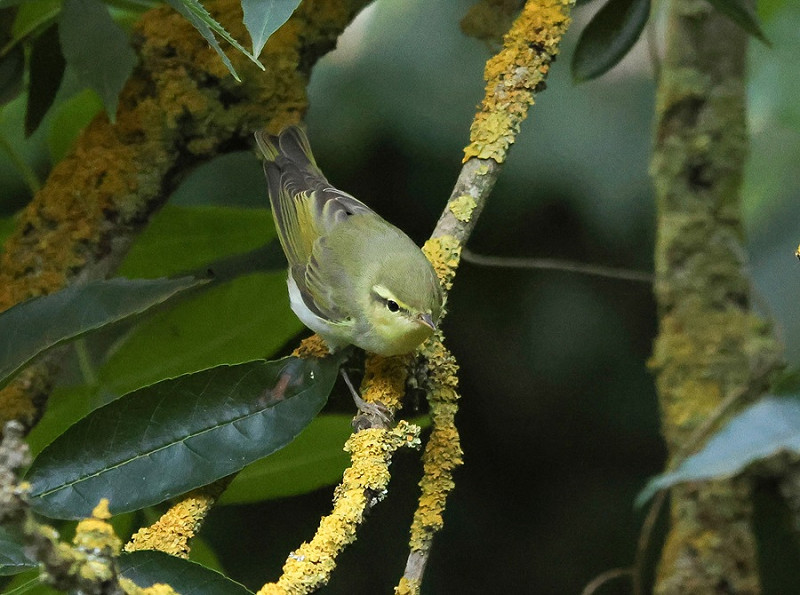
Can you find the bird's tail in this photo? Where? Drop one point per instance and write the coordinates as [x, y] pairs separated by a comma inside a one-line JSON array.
[[292, 143]]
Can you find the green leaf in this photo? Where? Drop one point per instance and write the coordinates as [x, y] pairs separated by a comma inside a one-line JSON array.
[[65, 406], [263, 17], [166, 439], [70, 118], [207, 26], [29, 583], [146, 568], [96, 49], [181, 239], [46, 69], [764, 429], [743, 14], [12, 554], [12, 67], [315, 459], [245, 319], [231, 179], [7, 225], [608, 37], [32, 16], [29, 328]]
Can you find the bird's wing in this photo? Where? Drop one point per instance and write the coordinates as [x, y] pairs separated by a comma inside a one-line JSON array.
[[304, 204], [307, 209]]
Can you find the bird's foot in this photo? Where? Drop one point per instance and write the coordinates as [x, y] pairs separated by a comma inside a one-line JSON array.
[[370, 415]]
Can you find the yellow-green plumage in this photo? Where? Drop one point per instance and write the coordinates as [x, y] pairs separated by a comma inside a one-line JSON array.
[[353, 277]]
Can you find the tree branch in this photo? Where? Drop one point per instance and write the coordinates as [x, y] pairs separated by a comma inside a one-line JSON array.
[[710, 345]]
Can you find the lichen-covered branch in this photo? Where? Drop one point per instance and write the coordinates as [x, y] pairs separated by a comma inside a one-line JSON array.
[[89, 564], [180, 106], [710, 344], [364, 484], [172, 532]]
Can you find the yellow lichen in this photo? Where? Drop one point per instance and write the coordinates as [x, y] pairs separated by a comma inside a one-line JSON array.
[[310, 565], [97, 534], [172, 532], [444, 253], [443, 450], [514, 75], [385, 380], [407, 587], [313, 346], [462, 207]]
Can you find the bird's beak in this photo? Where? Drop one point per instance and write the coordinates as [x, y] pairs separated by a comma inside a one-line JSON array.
[[427, 320]]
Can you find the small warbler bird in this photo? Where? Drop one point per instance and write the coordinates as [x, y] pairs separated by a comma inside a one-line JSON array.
[[354, 278]]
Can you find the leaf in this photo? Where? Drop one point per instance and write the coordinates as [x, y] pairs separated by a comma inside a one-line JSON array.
[[608, 37], [764, 429], [743, 14], [181, 239], [65, 406], [70, 118], [263, 17], [33, 16], [207, 26], [230, 179], [46, 69], [12, 554], [12, 67], [96, 49], [313, 460], [146, 568], [168, 438], [36, 325], [246, 319]]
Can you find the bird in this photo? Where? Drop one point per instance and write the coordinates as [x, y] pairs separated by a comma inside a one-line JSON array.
[[353, 277]]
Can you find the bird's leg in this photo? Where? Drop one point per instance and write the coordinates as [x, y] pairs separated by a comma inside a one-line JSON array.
[[371, 415]]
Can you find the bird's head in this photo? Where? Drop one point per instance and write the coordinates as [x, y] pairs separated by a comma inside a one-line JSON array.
[[403, 316]]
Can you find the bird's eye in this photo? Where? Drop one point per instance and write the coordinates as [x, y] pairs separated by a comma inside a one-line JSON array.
[[392, 305]]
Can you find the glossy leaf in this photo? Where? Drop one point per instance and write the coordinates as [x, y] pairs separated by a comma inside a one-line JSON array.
[[70, 117], [766, 428], [46, 68], [146, 568], [12, 555], [743, 14], [239, 321], [166, 439], [608, 37], [315, 459], [263, 17], [65, 406], [205, 24], [36, 325], [181, 239], [96, 49]]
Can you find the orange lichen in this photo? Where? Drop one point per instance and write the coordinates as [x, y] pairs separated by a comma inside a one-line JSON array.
[[515, 74], [172, 532]]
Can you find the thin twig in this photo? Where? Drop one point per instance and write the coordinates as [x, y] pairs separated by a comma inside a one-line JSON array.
[[555, 264], [603, 578]]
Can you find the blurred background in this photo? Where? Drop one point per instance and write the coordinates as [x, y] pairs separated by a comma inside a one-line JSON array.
[[559, 418]]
